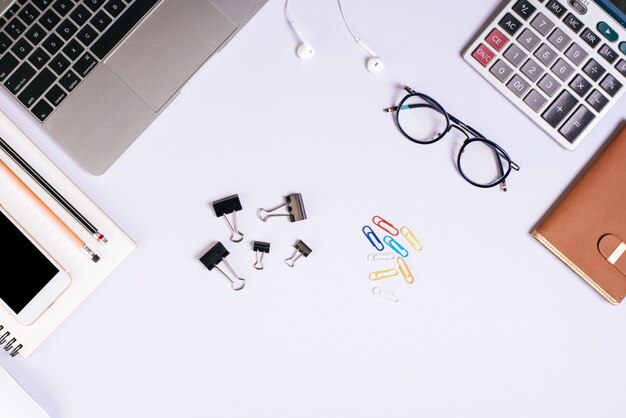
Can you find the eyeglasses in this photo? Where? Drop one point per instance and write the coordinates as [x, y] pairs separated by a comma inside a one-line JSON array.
[[481, 162]]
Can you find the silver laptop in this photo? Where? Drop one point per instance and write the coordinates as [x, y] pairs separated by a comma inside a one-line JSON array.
[[96, 73]]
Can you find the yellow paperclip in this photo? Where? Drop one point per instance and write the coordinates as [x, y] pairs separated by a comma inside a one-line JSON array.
[[411, 238], [383, 274], [405, 270]]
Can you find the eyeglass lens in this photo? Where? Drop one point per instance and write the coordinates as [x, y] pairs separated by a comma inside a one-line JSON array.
[[481, 163], [422, 120]]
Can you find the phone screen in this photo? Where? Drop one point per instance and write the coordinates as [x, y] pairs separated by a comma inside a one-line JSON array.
[[30, 268]]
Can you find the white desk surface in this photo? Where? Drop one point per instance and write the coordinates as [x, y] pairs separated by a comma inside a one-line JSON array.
[[494, 325]]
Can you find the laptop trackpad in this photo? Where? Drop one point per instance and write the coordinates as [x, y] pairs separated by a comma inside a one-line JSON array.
[[168, 48]]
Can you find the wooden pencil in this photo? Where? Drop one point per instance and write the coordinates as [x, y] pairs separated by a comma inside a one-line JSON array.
[[53, 216]]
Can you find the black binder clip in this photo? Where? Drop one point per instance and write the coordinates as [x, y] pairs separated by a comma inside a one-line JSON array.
[[301, 250], [217, 255], [295, 207], [260, 248], [226, 206]]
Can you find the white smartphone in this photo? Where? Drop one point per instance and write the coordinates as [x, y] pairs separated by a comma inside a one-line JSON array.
[[31, 279]]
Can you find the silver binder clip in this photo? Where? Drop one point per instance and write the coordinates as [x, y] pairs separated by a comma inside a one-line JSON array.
[[301, 250], [295, 208], [260, 248], [217, 255], [225, 207]]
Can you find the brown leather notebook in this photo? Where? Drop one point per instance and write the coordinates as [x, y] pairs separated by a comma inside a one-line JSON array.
[[586, 228]]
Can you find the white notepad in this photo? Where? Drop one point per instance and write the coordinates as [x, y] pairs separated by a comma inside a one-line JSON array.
[[16, 403], [85, 274]]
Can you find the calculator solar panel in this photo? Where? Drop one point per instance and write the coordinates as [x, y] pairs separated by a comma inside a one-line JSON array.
[[562, 63]]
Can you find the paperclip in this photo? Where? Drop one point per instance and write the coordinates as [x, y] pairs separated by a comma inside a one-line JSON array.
[[381, 257], [411, 238], [373, 238], [385, 226], [385, 294], [395, 245], [405, 270], [383, 274]]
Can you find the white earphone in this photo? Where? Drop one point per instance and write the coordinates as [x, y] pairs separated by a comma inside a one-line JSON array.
[[374, 64], [305, 51]]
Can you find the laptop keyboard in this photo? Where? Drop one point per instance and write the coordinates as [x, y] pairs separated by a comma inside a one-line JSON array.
[[47, 47]]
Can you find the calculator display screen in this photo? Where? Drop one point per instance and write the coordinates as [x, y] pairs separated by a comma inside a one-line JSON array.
[[616, 8]]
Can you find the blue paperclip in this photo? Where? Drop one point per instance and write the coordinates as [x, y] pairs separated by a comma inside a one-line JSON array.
[[373, 238], [395, 245]]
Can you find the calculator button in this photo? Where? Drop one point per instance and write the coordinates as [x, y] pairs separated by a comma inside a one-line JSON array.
[[611, 85], [576, 54], [535, 100], [559, 39], [559, 109], [622, 47], [562, 69], [555, 7], [515, 55], [483, 55], [580, 85], [577, 123], [528, 40], [542, 24], [510, 24], [591, 38], [518, 86], [532, 70], [573, 23], [546, 55], [501, 71], [597, 100], [621, 67], [578, 6], [549, 85], [524, 9], [608, 53], [497, 40], [607, 31], [594, 70]]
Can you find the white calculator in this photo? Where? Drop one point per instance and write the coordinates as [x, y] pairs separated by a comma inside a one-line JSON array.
[[562, 63]]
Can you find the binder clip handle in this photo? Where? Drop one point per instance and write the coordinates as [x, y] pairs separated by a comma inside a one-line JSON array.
[[223, 208], [295, 209], [260, 248], [216, 256], [302, 250]]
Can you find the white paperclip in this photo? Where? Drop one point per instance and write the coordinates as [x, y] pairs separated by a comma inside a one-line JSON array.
[[385, 294], [381, 257]]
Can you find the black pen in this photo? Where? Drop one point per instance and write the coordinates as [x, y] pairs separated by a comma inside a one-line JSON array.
[[53, 192]]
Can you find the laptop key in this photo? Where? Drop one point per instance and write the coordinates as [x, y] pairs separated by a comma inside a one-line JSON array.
[[19, 78], [69, 81], [94, 4], [127, 20], [63, 7], [101, 20], [73, 50], [42, 4], [52, 44], [36, 34], [59, 64], [80, 15], [42, 110], [56, 95], [7, 64], [577, 123], [87, 35], [85, 64], [66, 29], [11, 11], [28, 13], [5, 43], [49, 19], [15, 28], [22, 48], [114, 7], [557, 111], [37, 87], [39, 58]]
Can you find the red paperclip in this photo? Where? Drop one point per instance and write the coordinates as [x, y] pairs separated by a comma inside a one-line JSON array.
[[385, 226]]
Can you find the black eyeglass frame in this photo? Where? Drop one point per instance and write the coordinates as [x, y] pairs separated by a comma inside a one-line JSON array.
[[471, 134]]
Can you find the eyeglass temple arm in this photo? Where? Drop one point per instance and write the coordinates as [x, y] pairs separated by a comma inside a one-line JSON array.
[[409, 106]]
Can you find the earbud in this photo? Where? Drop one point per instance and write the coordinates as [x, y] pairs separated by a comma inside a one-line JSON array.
[[375, 65], [304, 51]]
